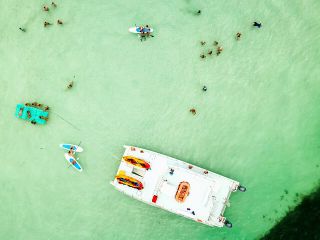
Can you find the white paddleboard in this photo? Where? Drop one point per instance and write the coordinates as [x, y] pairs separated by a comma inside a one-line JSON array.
[[67, 146], [137, 30], [72, 161]]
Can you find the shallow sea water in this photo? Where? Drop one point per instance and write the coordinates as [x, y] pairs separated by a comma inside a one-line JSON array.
[[258, 123]]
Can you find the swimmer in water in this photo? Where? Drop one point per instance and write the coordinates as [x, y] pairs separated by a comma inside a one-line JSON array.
[[59, 22], [210, 52], [203, 56], [215, 43], [53, 4], [198, 12], [46, 108], [70, 85], [238, 35], [33, 122], [45, 24], [256, 24], [202, 43], [219, 50], [45, 8], [149, 31], [193, 111], [204, 88], [22, 29]]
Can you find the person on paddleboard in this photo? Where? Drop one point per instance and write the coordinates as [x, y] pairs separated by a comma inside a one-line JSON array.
[[71, 152]]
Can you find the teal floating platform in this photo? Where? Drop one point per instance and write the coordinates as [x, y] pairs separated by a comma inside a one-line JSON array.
[[34, 113]]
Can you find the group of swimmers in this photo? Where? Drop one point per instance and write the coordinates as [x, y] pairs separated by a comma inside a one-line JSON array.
[[46, 9], [36, 105], [45, 24], [145, 32], [219, 49]]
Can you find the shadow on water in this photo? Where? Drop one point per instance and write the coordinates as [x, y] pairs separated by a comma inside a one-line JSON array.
[[300, 222]]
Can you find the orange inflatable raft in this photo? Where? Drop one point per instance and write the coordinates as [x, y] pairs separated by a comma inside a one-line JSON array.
[[183, 192]]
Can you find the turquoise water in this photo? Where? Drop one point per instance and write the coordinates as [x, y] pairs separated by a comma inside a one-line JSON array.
[[257, 123]]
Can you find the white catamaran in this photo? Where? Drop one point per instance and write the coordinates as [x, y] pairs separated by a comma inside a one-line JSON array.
[[175, 186]]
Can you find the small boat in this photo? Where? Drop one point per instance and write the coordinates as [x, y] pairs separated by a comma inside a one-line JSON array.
[[136, 162], [32, 114], [122, 178], [140, 30], [75, 148], [176, 186], [72, 161], [182, 192]]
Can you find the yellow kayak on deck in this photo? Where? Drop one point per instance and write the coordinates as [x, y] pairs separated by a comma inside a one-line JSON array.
[[136, 162], [122, 178]]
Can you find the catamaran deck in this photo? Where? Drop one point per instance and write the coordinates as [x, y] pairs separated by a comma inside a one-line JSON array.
[[209, 192]]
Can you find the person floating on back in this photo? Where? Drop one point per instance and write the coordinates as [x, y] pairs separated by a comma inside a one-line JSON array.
[[256, 24]]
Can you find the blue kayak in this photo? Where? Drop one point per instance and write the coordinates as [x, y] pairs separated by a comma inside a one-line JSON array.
[[72, 161], [35, 113]]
